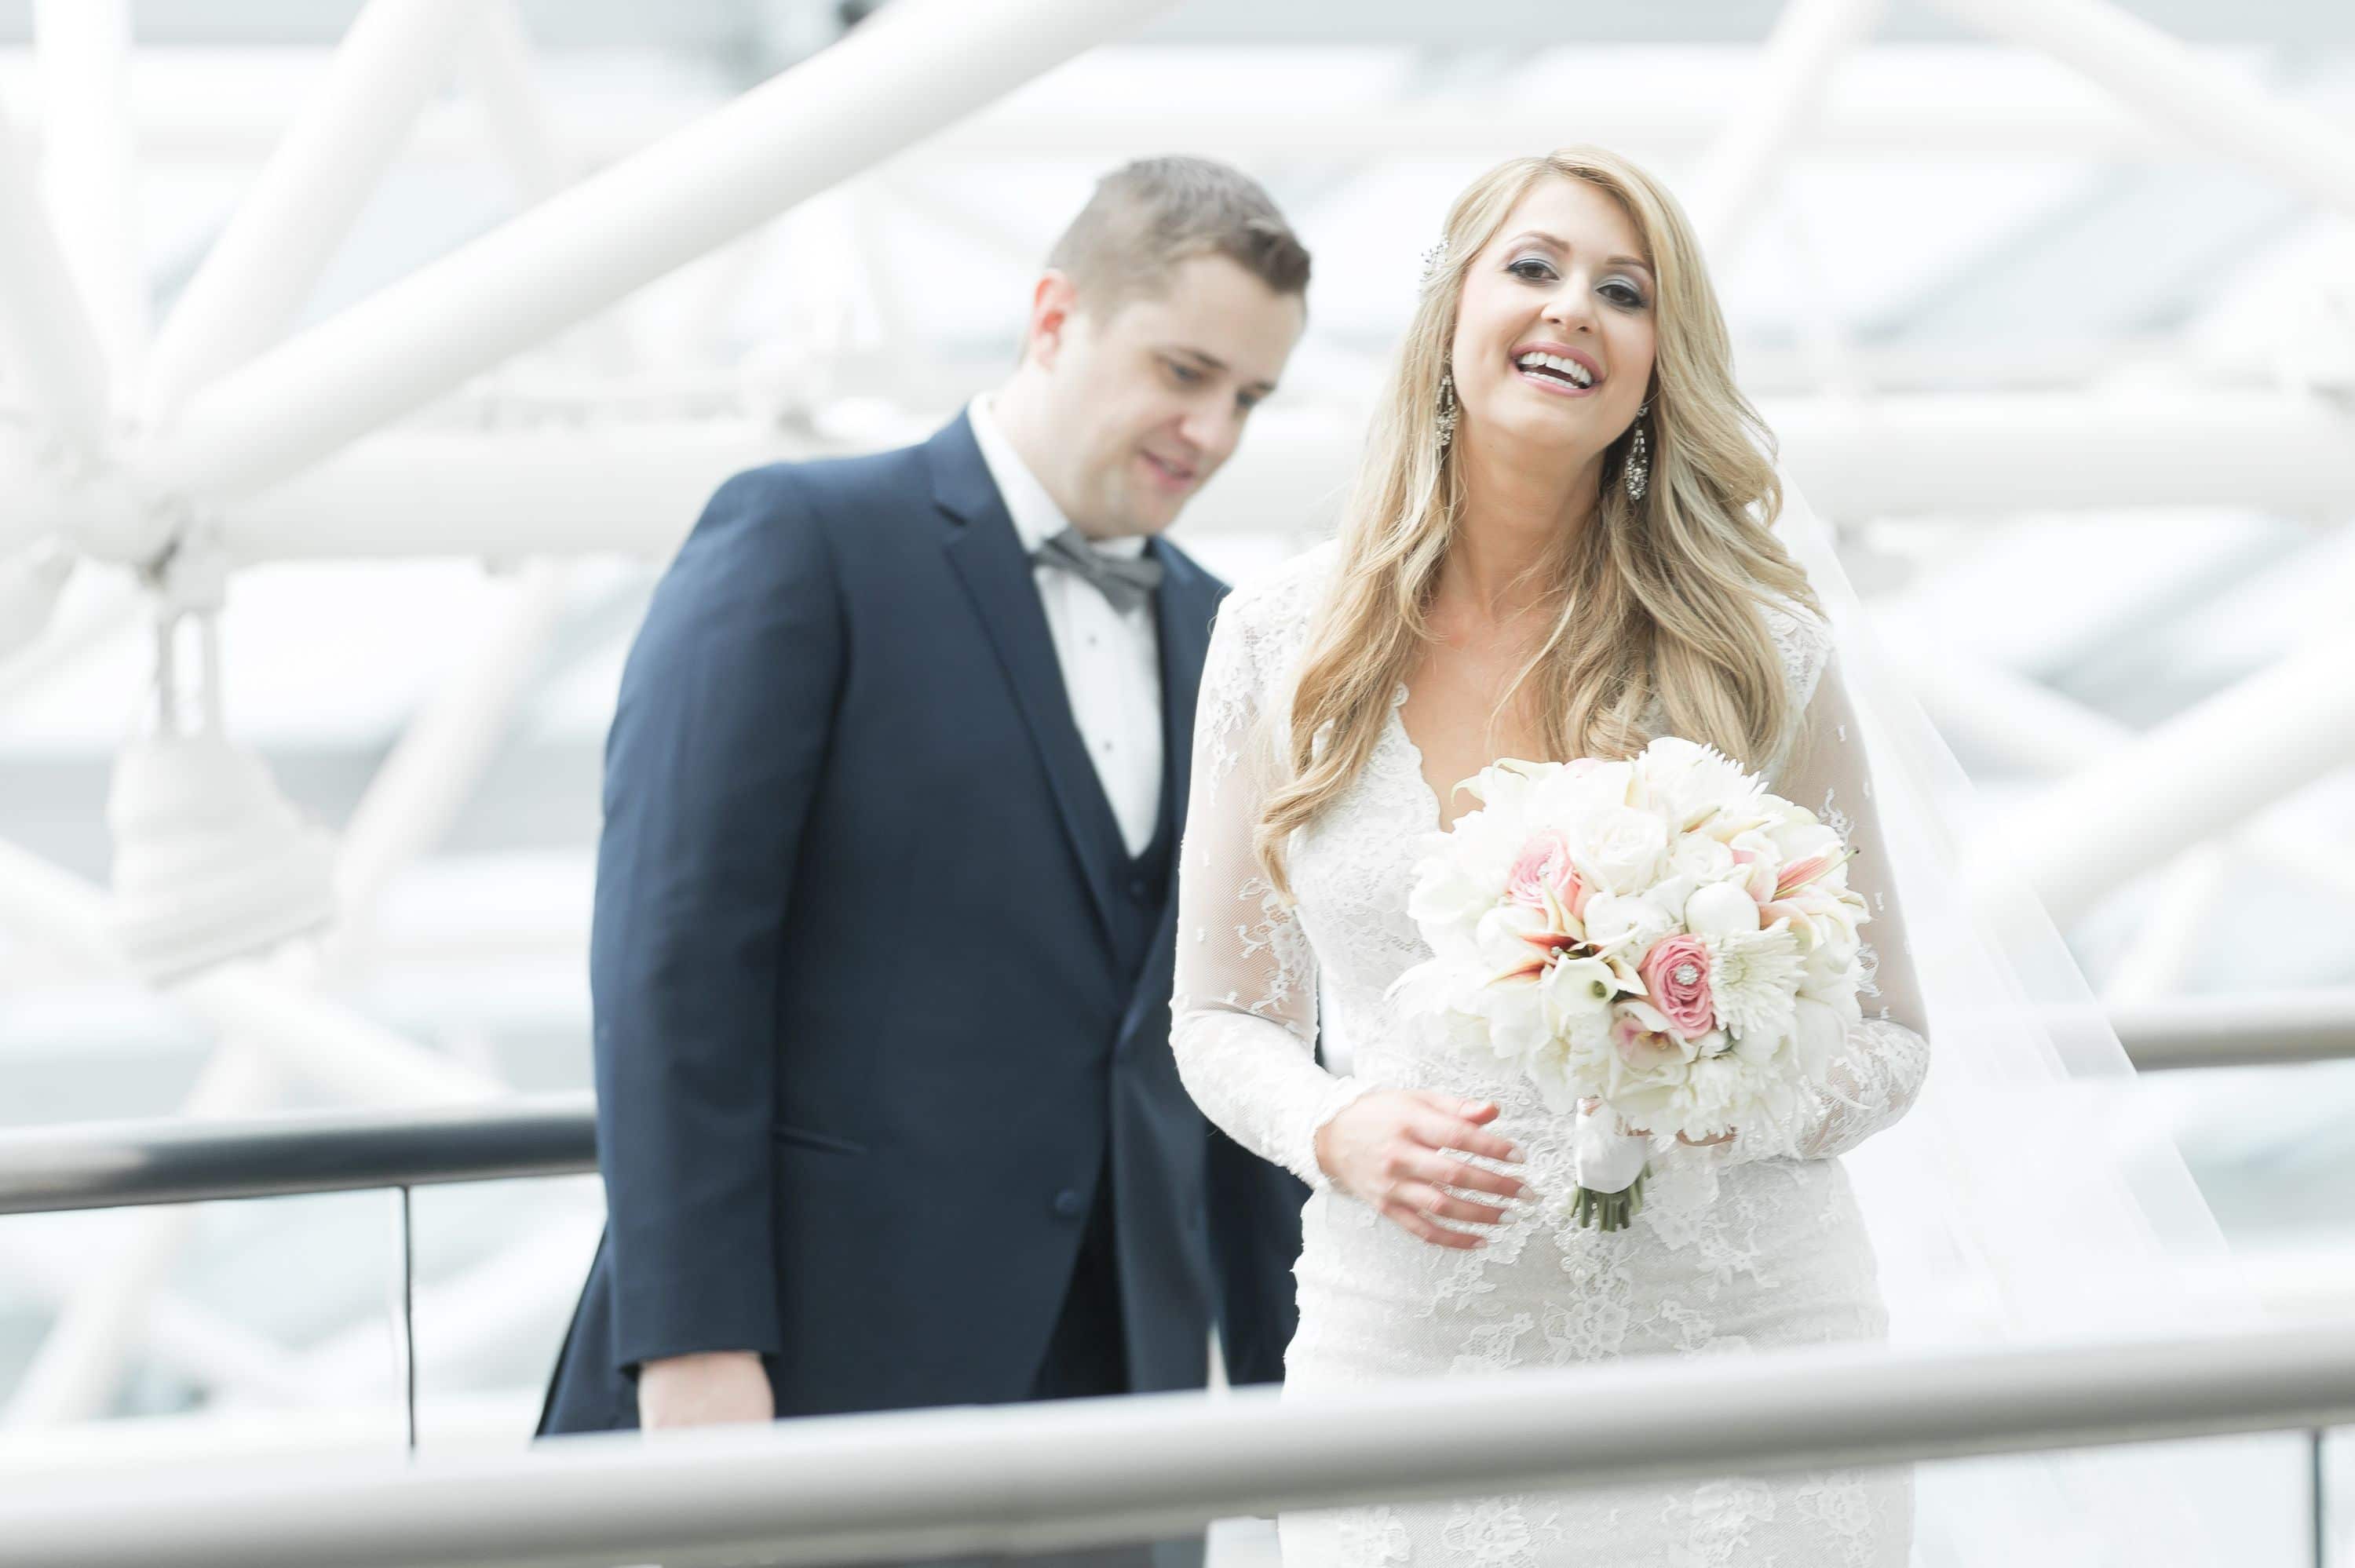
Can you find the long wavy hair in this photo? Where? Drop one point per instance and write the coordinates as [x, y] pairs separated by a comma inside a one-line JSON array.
[[1659, 598]]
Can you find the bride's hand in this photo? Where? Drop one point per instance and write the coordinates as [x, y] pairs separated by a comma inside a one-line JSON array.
[[1386, 1149]]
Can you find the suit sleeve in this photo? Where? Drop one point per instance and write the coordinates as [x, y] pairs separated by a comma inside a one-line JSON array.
[[718, 737]]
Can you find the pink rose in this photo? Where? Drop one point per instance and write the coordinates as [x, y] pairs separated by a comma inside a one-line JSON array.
[[1676, 972], [1543, 869]]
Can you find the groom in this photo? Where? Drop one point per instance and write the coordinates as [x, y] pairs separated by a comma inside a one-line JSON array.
[[885, 903]]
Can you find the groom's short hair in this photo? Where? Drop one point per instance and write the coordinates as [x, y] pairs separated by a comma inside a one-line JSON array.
[[1147, 217]]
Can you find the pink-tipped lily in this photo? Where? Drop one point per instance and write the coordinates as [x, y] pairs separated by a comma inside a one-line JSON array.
[[1545, 946], [1800, 873], [1757, 876]]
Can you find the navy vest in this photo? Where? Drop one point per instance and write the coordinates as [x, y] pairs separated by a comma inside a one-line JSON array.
[[1140, 882]]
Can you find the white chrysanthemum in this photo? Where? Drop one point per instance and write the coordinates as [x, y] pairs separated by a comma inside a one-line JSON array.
[[1753, 980], [1689, 783]]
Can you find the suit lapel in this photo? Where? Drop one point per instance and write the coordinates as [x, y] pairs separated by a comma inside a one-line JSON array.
[[987, 556]]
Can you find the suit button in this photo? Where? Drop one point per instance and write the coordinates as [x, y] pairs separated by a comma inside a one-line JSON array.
[[1069, 1204], [1139, 889]]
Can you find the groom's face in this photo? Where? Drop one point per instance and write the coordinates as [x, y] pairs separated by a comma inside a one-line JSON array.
[[1152, 393]]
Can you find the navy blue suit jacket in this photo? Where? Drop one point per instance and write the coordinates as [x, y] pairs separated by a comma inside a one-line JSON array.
[[862, 1048]]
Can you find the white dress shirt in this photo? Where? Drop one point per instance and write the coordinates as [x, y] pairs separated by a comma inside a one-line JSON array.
[[1111, 658]]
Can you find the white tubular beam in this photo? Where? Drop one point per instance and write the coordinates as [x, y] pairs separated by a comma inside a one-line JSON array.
[[85, 621], [1737, 174], [523, 128], [2179, 93], [442, 754], [2030, 452], [1448, 128], [308, 1035], [53, 351], [329, 1044], [533, 492], [2201, 773], [261, 269], [73, 1375], [1997, 713], [2032, 728], [86, 149], [230, 1361], [191, 129], [478, 1318], [497, 66], [634, 487], [910, 70], [2179, 920]]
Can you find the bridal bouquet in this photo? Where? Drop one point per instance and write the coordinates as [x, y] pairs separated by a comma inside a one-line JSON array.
[[1656, 943]]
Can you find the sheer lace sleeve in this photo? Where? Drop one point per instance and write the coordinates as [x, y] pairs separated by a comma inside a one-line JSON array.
[[1880, 1067], [1243, 1019]]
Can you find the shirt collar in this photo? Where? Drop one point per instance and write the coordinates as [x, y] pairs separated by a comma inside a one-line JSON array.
[[1037, 518]]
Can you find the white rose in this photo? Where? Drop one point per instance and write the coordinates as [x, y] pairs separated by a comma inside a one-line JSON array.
[[1448, 898], [1619, 923], [1621, 848], [1700, 857], [1799, 836]]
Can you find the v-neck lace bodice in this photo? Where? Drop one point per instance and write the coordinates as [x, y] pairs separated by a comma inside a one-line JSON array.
[[1731, 1252]]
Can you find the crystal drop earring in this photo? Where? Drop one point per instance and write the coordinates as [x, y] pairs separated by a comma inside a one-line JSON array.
[[1447, 421], [1638, 471]]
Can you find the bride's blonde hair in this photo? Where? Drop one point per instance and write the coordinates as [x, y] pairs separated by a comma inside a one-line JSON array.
[[1659, 597]]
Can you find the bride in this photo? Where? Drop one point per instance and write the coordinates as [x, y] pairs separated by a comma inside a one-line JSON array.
[[1561, 545]]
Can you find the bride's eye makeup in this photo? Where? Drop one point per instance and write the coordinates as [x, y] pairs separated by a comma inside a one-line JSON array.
[[1622, 291]]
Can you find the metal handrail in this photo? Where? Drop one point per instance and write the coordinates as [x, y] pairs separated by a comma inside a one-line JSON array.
[[96, 1165], [1090, 1473], [2265, 1029]]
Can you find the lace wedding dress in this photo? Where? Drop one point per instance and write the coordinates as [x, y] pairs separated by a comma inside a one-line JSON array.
[[1732, 1254]]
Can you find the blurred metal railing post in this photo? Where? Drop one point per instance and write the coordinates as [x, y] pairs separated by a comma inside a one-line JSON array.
[[404, 1310], [2316, 1441]]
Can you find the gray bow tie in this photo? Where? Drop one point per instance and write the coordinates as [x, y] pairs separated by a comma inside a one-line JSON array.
[[1124, 581]]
